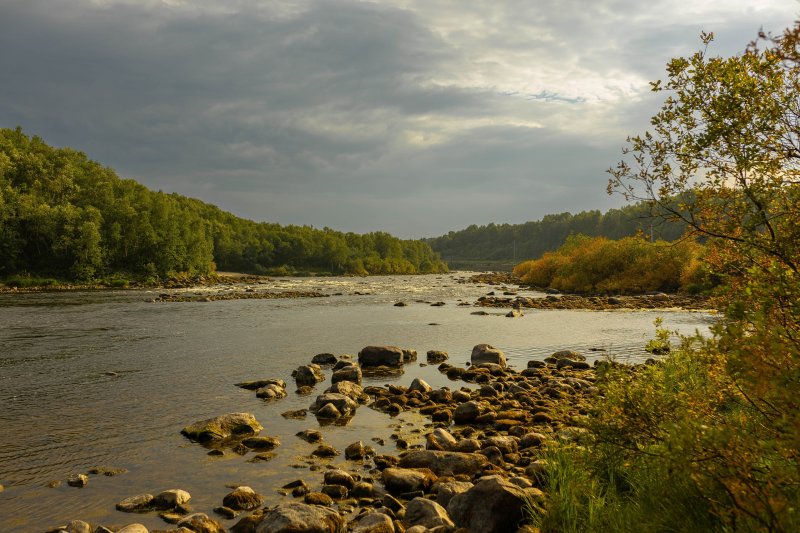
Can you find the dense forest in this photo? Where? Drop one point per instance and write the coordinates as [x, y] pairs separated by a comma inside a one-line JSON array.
[[514, 242], [64, 215]]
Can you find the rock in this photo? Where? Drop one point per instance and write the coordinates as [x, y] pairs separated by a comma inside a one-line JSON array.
[[325, 450], [132, 528], [351, 372], [530, 440], [419, 385], [435, 356], [136, 504], [271, 392], [400, 304], [536, 364], [255, 385], [344, 404], [78, 480], [428, 513], [391, 356], [310, 435], [107, 471], [350, 389], [201, 523], [362, 489], [565, 354], [444, 463], [339, 477], [328, 411], [337, 492], [297, 414], [514, 313], [243, 499], [450, 489], [374, 523], [505, 444], [78, 526], [222, 427], [578, 365], [440, 439], [493, 505], [466, 412], [324, 359], [355, 451], [226, 512], [261, 443], [169, 499], [402, 480], [308, 375], [318, 498], [486, 353], [297, 517]]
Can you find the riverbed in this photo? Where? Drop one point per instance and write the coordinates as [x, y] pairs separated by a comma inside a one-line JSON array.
[[108, 378]]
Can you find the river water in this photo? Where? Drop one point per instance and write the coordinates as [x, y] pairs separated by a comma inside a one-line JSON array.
[[175, 363]]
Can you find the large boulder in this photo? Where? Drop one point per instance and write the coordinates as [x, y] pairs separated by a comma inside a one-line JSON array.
[[493, 505], [295, 517], [486, 353], [324, 359], [427, 513], [222, 427], [382, 356], [444, 462]]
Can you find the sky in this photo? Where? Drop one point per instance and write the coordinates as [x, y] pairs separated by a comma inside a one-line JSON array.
[[415, 117]]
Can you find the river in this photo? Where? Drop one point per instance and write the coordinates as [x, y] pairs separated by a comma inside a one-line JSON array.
[[108, 378]]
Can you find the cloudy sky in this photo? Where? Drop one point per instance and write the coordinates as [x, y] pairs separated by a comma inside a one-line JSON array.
[[411, 116]]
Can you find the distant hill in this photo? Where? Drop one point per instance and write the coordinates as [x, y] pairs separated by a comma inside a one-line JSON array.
[[502, 245], [62, 214]]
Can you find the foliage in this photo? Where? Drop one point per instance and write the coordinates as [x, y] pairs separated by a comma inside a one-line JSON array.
[[719, 419], [507, 242], [599, 265], [62, 214]]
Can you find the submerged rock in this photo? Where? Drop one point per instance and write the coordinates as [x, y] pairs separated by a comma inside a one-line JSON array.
[[222, 427]]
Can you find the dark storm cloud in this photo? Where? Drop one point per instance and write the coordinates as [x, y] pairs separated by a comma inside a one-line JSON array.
[[411, 116]]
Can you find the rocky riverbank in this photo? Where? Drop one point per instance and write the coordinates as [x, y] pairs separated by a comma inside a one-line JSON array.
[[480, 469]]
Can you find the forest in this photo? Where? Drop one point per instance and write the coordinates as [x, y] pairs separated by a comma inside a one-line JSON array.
[[63, 215], [515, 242]]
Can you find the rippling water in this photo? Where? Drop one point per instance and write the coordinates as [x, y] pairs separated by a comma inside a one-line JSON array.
[[175, 363]]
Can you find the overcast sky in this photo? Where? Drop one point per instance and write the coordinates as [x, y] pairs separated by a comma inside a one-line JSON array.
[[415, 117]]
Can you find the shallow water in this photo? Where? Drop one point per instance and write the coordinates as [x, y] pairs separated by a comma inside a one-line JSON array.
[[177, 362]]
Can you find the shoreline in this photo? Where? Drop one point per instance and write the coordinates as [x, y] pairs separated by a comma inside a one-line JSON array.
[[485, 445]]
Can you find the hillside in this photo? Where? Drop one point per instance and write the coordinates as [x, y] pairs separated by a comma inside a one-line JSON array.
[[64, 215]]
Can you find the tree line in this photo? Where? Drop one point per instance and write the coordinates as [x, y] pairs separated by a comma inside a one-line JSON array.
[[64, 215], [515, 242]]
